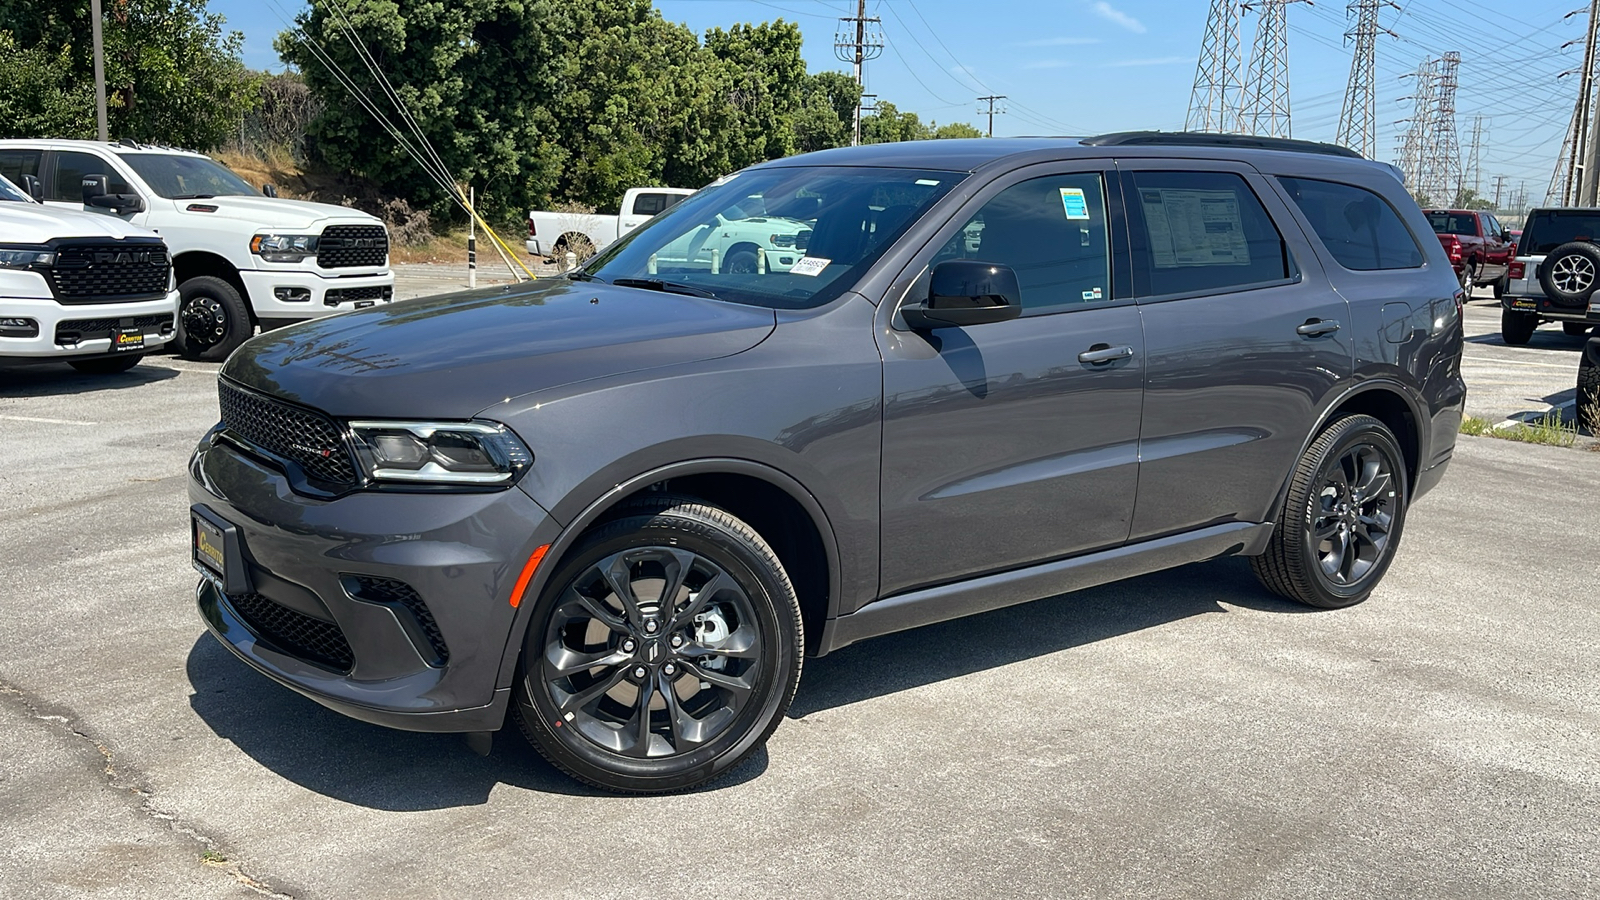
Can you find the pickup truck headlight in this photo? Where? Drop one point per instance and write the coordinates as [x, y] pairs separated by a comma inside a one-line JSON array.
[[460, 453], [18, 257], [284, 247]]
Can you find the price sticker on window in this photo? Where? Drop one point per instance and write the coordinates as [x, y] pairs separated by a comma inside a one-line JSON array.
[[1076, 204]]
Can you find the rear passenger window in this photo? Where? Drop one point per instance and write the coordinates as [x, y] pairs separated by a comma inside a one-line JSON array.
[[650, 204], [1359, 228], [1202, 231], [16, 163], [70, 170]]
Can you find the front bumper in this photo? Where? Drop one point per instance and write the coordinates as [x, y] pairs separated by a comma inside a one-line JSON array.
[[460, 553], [323, 295], [71, 331]]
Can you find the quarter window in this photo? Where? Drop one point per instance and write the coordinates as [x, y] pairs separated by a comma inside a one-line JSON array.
[[1202, 231], [1052, 232], [1359, 228], [651, 204], [70, 171]]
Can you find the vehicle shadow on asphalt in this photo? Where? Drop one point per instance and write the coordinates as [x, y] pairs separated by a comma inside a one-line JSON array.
[[53, 379], [368, 765], [934, 653]]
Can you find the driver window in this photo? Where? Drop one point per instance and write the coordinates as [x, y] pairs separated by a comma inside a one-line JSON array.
[[1052, 232], [70, 170]]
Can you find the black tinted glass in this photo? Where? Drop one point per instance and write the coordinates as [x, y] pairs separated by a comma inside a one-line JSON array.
[[16, 163], [11, 193], [1199, 231], [1548, 229], [650, 204], [181, 177], [1359, 228], [1052, 232], [70, 170], [1452, 223]]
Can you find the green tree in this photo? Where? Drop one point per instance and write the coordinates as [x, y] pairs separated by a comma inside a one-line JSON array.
[[172, 74], [956, 130]]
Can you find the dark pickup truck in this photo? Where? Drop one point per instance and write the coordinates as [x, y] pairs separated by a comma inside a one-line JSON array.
[[1480, 248]]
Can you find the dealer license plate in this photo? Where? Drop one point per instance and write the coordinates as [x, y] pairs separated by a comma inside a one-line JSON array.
[[125, 338], [209, 551]]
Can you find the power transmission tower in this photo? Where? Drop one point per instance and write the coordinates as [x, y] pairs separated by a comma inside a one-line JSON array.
[[991, 111], [1419, 133], [1213, 101], [1358, 119], [1499, 185], [1473, 175], [1440, 178], [1264, 110], [1566, 183], [856, 45]]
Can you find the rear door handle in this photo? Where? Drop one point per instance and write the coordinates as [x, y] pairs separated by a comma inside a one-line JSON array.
[[1101, 353], [1315, 327]]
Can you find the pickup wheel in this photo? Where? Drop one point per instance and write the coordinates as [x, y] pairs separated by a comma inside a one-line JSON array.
[[1571, 272], [212, 319], [1575, 329], [741, 261], [106, 365], [1465, 278], [1342, 518], [1517, 327], [1588, 405]]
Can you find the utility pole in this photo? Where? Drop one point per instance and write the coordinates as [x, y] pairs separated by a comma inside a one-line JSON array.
[[1473, 174], [1577, 163], [1358, 119], [99, 72], [990, 100], [864, 44], [1211, 105], [1265, 107], [1499, 183]]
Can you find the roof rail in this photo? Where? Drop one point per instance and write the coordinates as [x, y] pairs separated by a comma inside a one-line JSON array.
[[1208, 139]]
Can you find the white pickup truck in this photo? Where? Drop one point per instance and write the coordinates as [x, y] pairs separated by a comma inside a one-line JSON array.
[[242, 257], [552, 234], [94, 292]]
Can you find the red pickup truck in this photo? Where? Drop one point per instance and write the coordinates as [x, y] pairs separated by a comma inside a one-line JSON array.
[[1480, 248]]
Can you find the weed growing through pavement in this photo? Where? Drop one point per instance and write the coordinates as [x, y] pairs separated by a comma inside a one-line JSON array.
[[1547, 429]]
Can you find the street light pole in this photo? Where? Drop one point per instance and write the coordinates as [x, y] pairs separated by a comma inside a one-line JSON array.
[[99, 72]]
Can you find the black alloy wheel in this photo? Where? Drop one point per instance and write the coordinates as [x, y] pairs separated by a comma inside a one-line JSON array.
[[1342, 518], [212, 319], [663, 652], [741, 262]]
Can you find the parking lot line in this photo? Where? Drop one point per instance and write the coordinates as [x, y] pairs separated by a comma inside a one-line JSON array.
[[45, 421]]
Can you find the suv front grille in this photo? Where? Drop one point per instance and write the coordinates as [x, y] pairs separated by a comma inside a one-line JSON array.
[[109, 272], [345, 246], [302, 436], [74, 330], [293, 632], [393, 591]]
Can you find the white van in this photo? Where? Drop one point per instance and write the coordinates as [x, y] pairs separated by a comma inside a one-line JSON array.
[[88, 290], [242, 257]]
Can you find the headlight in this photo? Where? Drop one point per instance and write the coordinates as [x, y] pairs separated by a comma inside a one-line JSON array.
[[284, 247], [25, 257], [483, 453]]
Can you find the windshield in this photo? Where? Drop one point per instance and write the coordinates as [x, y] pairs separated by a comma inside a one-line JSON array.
[[9, 191], [178, 177], [1549, 229], [1452, 223], [786, 238]]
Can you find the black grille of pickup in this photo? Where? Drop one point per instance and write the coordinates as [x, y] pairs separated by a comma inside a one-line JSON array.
[[335, 296], [393, 591], [302, 436], [109, 272], [346, 246], [294, 632], [74, 330]]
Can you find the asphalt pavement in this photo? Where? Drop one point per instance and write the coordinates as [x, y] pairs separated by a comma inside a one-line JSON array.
[[1178, 735]]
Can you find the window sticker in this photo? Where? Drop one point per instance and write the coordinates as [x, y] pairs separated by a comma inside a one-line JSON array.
[[1194, 228], [1095, 294], [810, 265], [1076, 204], [928, 182]]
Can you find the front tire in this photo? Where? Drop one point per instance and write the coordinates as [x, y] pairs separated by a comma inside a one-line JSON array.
[[1501, 286], [663, 651], [1516, 328], [106, 365], [1342, 518], [213, 319]]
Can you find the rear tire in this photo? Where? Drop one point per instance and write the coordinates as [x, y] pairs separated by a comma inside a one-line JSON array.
[[213, 319], [664, 650], [1501, 286], [106, 365], [1575, 329], [1516, 328], [1342, 517]]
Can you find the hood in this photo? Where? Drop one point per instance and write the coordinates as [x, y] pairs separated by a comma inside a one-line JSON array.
[[451, 356], [32, 223], [268, 213]]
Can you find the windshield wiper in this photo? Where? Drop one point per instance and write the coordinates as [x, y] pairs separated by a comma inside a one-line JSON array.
[[670, 287], [580, 275]]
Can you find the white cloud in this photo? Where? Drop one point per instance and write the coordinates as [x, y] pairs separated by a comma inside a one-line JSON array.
[[1060, 42], [1110, 13], [1153, 61], [1049, 64]]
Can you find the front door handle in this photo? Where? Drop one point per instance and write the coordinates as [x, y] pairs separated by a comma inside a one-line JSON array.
[[1314, 327], [1103, 353]]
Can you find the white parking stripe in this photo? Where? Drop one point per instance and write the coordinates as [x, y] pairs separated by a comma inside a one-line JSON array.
[[44, 421]]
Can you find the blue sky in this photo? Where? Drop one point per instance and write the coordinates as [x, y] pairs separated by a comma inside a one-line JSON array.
[[1091, 66]]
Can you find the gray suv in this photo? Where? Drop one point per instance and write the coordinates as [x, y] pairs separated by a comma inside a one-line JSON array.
[[619, 507]]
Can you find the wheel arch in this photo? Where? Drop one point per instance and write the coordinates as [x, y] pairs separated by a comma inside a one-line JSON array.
[[195, 263], [776, 505]]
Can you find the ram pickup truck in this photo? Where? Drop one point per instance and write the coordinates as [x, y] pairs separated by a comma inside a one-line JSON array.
[[1554, 275], [1480, 248], [243, 257], [553, 234], [87, 290]]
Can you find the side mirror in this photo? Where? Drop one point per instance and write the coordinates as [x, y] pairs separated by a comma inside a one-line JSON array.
[[1506, 235], [269, 190], [965, 292], [33, 187], [94, 194]]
